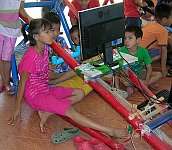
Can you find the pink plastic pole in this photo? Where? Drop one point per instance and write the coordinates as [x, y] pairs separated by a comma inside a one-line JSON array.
[[71, 7]]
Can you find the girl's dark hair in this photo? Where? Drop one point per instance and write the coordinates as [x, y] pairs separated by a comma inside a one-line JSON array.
[[52, 17], [35, 27], [163, 10], [136, 30]]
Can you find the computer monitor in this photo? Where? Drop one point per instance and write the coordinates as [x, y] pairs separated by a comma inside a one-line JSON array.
[[98, 28]]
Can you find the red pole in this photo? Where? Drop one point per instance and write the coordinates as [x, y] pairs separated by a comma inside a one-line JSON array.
[[141, 86]]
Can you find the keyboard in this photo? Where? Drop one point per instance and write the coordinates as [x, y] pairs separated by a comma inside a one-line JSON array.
[[163, 93]]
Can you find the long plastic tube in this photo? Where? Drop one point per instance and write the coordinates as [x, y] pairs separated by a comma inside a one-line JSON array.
[[165, 117], [141, 86]]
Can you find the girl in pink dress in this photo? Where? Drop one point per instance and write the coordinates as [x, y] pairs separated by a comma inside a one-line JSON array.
[[34, 73]]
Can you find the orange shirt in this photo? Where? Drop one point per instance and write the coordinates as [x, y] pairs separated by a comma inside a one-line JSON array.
[[154, 35]]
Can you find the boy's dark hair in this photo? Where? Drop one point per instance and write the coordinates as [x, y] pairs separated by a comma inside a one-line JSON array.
[[136, 30], [52, 17], [163, 10], [149, 2], [35, 27], [74, 28]]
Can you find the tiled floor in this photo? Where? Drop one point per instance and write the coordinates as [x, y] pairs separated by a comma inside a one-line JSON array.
[[27, 136]]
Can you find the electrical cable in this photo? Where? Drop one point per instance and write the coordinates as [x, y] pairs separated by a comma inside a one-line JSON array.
[[143, 92]]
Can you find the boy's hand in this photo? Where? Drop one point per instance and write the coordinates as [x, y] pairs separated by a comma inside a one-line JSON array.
[[14, 117]]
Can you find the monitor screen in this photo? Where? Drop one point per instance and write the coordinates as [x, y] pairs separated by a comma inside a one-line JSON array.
[[99, 27]]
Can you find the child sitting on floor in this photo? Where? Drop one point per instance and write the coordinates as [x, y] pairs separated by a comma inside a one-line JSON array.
[[33, 85], [155, 36], [132, 38]]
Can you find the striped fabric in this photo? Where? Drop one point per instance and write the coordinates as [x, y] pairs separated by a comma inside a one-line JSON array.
[[9, 18]]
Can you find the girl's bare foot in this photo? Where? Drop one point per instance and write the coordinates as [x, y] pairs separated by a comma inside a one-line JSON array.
[[43, 116]]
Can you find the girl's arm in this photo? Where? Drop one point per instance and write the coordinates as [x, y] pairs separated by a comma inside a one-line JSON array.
[[148, 74], [23, 12], [24, 77]]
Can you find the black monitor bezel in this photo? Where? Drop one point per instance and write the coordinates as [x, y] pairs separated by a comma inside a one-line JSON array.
[[103, 14]]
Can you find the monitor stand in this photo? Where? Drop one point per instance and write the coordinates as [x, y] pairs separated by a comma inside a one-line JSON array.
[[108, 56]]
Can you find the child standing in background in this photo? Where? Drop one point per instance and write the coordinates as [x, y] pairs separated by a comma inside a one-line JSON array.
[[82, 5], [132, 38], [9, 31], [33, 85], [131, 12]]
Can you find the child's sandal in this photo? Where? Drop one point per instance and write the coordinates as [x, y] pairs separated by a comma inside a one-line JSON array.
[[10, 90]]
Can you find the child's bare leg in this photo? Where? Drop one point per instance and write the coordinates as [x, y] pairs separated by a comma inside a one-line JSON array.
[[2, 71], [155, 76], [5, 72], [86, 122], [43, 116], [77, 95], [7, 66]]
